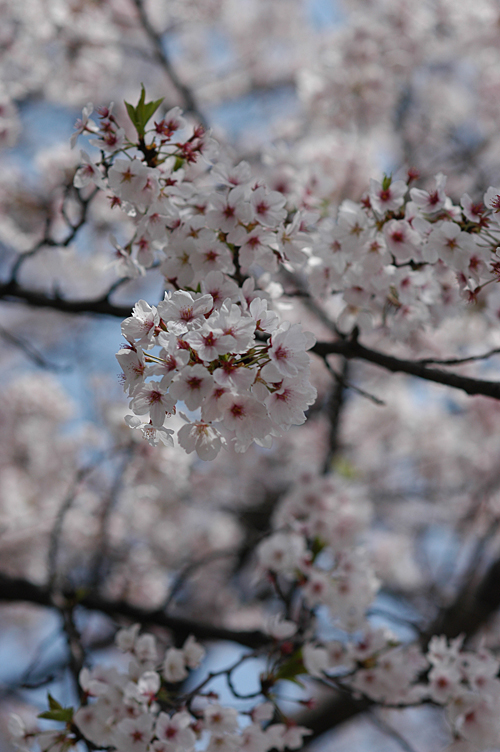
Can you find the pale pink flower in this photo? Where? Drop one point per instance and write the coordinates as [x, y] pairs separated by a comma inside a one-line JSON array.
[[151, 398], [192, 385], [88, 173], [268, 206], [387, 199], [430, 202], [84, 124], [194, 653], [200, 438], [288, 349], [133, 734], [175, 732], [181, 309], [141, 325], [220, 720], [174, 666]]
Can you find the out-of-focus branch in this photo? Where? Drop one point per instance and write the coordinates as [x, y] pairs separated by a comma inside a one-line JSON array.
[[469, 612], [351, 348], [16, 590], [55, 535], [189, 102], [47, 240], [12, 292], [102, 543], [334, 411], [31, 352]]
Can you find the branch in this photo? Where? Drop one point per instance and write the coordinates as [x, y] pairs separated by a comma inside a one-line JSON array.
[[190, 104], [353, 349], [31, 352], [12, 292], [15, 590], [459, 361], [334, 411]]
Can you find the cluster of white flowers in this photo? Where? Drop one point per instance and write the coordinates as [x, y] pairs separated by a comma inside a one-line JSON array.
[[247, 389], [221, 350], [136, 711], [467, 683], [190, 219], [402, 258], [316, 548], [406, 258], [374, 665]]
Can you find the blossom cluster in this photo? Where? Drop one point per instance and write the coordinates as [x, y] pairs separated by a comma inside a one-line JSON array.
[[315, 548], [190, 219], [222, 351], [138, 711], [246, 389], [402, 258], [407, 258], [467, 683]]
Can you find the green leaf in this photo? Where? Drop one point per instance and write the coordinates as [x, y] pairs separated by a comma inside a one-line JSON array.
[[290, 669], [53, 704], [317, 546], [57, 712], [143, 112], [346, 469], [386, 182], [131, 113], [64, 715]]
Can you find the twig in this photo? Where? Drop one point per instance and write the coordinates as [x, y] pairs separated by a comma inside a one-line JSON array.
[[17, 590], [389, 731], [46, 240], [458, 361], [190, 104], [190, 568], [334, 411], [353, 387], [31, 352], [55, 535], [102, 544]]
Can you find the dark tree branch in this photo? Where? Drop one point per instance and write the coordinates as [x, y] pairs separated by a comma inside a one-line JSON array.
[[350, 349], [31, 352], [47, 240], [16, 590], [189, 101], [353, 349], [334, 411], [12, 292]]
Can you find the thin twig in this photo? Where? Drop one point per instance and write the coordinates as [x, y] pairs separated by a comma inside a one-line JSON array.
[[459, 361], [190, 569], [31, 352], [389, 731], [55, 535], [349, 385], [102, 542], [190, 104], [334, 411]]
